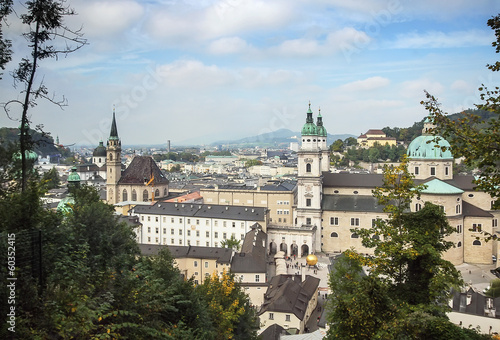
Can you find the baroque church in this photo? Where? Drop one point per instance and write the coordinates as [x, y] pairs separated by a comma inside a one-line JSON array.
[[329, 204], [141, 181]]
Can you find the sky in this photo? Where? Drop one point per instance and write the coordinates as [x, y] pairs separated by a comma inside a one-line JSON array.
[[198, 71]]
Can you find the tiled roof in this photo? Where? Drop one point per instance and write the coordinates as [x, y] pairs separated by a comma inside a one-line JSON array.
[[352, 180], [351, 203], [141, 170], [252, 258], [469, 210], [287, 295], [231, 212]]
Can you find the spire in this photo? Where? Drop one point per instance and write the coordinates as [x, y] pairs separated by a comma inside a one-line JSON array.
[[114, 131]]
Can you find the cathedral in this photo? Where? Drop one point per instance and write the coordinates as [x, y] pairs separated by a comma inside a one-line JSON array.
[[329, 204], [141, 181]]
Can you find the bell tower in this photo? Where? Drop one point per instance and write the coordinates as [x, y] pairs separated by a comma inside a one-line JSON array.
[[113, 163]]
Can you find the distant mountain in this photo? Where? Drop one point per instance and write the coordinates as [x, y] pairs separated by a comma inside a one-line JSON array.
[[281, 137]]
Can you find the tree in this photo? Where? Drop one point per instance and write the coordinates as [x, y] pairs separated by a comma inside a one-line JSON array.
[[51, 179], [471, 137], [231, 243], [229, 308], [47, 30], [494, 289], [5, 44], [337, 146], [251, 162]]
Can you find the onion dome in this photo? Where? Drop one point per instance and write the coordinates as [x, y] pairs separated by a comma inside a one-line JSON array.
[[100, 151], [319, 123], [73, 177], [309, 128]]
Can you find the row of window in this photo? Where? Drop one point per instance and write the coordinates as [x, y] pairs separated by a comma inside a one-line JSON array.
[[197, 233], [145, 194], [180, 242], [354, 221], [197, 221], [271, 316], [433, 170]]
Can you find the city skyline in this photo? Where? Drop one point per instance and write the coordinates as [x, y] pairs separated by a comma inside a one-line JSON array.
[[198, 72]]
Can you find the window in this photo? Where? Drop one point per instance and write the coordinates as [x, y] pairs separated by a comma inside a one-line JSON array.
[[334, 220], [206, 264], [279, 219], [257, 278], [207, 244], [180, 242], [207, 234], [188, 221], [459, 244], [446, 171], [287, 317], [308, 221], [149, 218], [354, 235], [180, 220], [171, 220], [164, 230], [416, 170], [418, 206], [164, 219], [142, 218], [216, 235], [157, 193], [197, 233], [172, 241], [189, 232], [134, 195], [149, 239], [145, 195], [125, 196], [224, 224], [494, 223], [433, 171], [172, 232], [308, 202], [243, 224], [457, 209], [459, 228], [156, 240], [216, 223], [206, 222], [224, 236], [156, 219], [271, 316], [476, 243], [180, 231], [308, 167], [149, 229], [197, 222], [477, 227], [157, 230], [355, 221], [334, 234], [242, 236]]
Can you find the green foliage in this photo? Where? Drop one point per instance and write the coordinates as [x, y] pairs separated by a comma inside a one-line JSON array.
[[232, 243], [252, 162], [51, 179], [494, 290], [337, 146]]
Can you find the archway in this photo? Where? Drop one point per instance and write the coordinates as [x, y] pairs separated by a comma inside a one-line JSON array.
[[294, 250], [305, 250], [273, 248], [283, 247]]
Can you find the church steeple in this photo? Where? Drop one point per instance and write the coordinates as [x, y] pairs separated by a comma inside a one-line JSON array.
[[114, 131]]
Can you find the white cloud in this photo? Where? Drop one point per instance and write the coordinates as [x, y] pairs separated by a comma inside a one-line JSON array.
[[435, 39], [231, 45], [368, 84]]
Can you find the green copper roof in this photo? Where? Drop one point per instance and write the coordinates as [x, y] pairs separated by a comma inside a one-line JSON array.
[[437, 186], [113, 134], [73, 176], [65, 204], [425, 147], [320, 127], [309, 128], [100, 151]]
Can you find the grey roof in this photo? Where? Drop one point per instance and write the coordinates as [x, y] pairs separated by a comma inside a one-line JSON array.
[[469, 210], [252, 258], [222, 255], [273, 332], [351, 203], [352, 180], [231, 212], [141, 170], [463, 182], [287, 295]]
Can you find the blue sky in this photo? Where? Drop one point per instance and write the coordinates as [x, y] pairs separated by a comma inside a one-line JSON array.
[[200, 71]]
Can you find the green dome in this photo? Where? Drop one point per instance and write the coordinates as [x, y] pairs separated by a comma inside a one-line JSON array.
[[65, 204], [309, 128], [425, 147], [100, 151], [73, 176]]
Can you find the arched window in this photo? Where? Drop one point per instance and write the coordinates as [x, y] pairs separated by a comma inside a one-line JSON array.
[[134, 195], [124, 195], [476, 243], [354, 235], [110, 194], [376, 237], [157, 193], [334, 234], [418, 206], [308, 167], [165, 192], [110, 156], [145, 195], [459, 244]]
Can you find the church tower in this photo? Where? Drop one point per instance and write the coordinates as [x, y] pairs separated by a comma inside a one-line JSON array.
[[113, 163], [310, 180]]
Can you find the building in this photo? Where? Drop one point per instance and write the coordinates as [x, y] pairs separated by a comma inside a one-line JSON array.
[[289, 302], [184, 224], [141, 181], [374, 136]]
